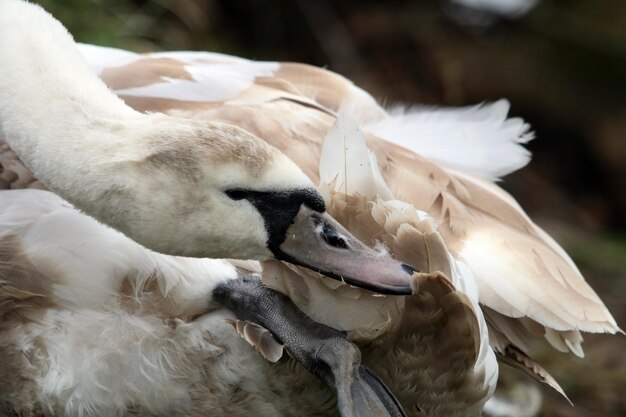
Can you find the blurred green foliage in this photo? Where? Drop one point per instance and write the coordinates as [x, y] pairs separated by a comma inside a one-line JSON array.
[[141, 26]]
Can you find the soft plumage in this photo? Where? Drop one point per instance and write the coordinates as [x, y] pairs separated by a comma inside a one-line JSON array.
[[474, 215], [90, 324], [417, 182], [518, 289]]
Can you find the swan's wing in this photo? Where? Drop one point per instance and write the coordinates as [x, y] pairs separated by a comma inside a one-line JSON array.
[[521, 272], [479, 140], [50, 249], [46, 249]]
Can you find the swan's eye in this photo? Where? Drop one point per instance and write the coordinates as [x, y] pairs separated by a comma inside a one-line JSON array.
[[237, 194], [333, 238]]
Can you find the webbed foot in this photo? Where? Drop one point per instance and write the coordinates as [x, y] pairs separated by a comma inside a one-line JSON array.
[[322, 350]]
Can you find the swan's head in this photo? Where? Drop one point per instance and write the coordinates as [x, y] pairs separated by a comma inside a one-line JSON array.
[[231, 195], [178, 186]]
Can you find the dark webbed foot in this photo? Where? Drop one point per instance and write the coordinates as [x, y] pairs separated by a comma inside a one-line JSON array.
[[322, 350]]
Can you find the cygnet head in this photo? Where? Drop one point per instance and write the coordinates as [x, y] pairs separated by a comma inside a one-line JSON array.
[[229, 194], [178, 186]]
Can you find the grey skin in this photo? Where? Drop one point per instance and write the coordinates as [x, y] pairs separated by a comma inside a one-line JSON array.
[[322, 350]]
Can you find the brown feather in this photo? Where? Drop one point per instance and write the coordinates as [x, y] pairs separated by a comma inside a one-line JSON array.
[[260, 338], [25, 294], [516, 358], [144, 72], [13, 173], [466, 208]]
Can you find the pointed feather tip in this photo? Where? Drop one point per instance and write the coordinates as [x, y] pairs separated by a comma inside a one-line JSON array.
[[478, 140], [514, 357]]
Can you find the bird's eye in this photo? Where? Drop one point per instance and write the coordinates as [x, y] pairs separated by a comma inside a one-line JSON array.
[[333, 238], [237, 193]]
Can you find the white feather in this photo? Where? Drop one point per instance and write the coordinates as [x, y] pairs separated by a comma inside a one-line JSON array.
[[479, 140], [90, 261], [215, 82], [100, 57], [348, 162]]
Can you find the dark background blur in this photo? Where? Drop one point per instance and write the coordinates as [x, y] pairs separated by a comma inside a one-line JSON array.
[[561, 63]]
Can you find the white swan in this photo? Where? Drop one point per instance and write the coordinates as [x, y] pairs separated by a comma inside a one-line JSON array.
[[175, 185], [293, 107], [178, 186]]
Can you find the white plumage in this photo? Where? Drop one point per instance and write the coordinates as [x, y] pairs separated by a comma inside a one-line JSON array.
[[480, 140], [121, 329]]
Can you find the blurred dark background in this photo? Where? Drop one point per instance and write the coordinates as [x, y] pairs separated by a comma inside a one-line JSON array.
[[561, 63]]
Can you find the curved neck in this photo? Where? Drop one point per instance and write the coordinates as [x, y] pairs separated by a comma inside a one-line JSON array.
[[44, 75], [58, 116]]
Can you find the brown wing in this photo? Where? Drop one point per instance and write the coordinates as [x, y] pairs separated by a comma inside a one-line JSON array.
[[521, 271]]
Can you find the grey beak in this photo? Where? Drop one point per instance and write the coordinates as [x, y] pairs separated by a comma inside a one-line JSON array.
[[317, 241]]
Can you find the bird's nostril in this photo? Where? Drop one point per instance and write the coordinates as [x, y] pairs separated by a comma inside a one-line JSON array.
[[409, 269]]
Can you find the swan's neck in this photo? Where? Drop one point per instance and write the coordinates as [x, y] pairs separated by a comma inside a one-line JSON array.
[[44, 78], [49, 98], [64, 123], [153, 177]]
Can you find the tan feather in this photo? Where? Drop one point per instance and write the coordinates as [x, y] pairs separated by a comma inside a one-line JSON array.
[[532, 277], [474, 216], [144, 72], [260, 338], [531, 290], [25, 294], [438, 327], [516, 358], [13, 173]]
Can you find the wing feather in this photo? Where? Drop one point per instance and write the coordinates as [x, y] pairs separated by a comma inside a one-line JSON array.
[[83, 263], [440, 168], [480, 140]]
